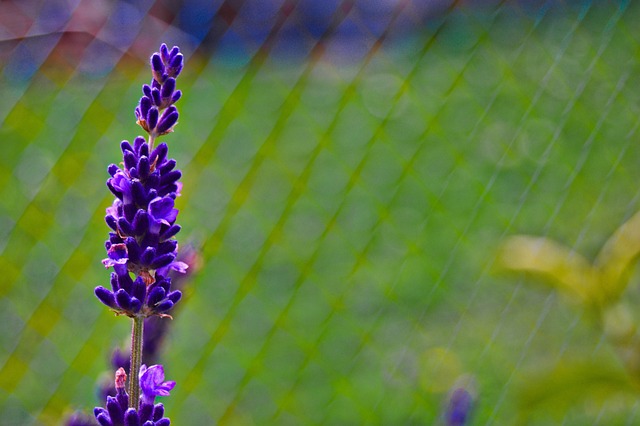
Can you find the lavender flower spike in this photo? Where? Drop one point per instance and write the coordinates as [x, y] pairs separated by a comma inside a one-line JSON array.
[[461, 401], [143, 214], [161, 94], [117, 412]]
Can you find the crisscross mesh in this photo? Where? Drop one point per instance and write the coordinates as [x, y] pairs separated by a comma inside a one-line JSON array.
[[351, 169]]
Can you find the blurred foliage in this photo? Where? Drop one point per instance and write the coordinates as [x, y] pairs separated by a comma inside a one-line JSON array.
[[347, 215], [598, 288]]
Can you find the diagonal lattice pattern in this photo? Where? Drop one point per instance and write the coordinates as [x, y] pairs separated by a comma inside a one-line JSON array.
[[349, 173]]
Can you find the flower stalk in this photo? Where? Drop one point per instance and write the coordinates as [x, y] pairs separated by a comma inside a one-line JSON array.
[[137, 331]]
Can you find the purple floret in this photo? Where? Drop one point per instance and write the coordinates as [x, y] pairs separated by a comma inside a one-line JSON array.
[[152, 383]]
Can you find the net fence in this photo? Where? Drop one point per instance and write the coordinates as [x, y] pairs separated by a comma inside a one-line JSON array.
[[352, 171]]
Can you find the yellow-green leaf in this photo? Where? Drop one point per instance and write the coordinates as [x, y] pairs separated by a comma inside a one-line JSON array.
[[564, 268]]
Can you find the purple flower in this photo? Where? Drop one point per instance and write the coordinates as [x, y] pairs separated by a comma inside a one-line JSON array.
[[152, 383], [143, 215], [161, 94], [118, 413], [459, 407], [161, 212]]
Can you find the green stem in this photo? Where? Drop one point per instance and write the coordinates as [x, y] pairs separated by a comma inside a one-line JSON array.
[[136, 361]]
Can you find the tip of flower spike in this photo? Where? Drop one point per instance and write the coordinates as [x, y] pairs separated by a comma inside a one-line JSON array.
[[161, 94]]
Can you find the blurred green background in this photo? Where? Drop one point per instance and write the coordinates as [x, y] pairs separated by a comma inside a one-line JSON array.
[[347, 208]]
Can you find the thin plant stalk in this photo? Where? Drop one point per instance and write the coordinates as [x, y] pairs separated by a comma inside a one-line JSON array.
[[137, 331]]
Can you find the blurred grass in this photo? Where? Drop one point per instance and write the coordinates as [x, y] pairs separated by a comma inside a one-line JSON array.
[[348, 217]]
